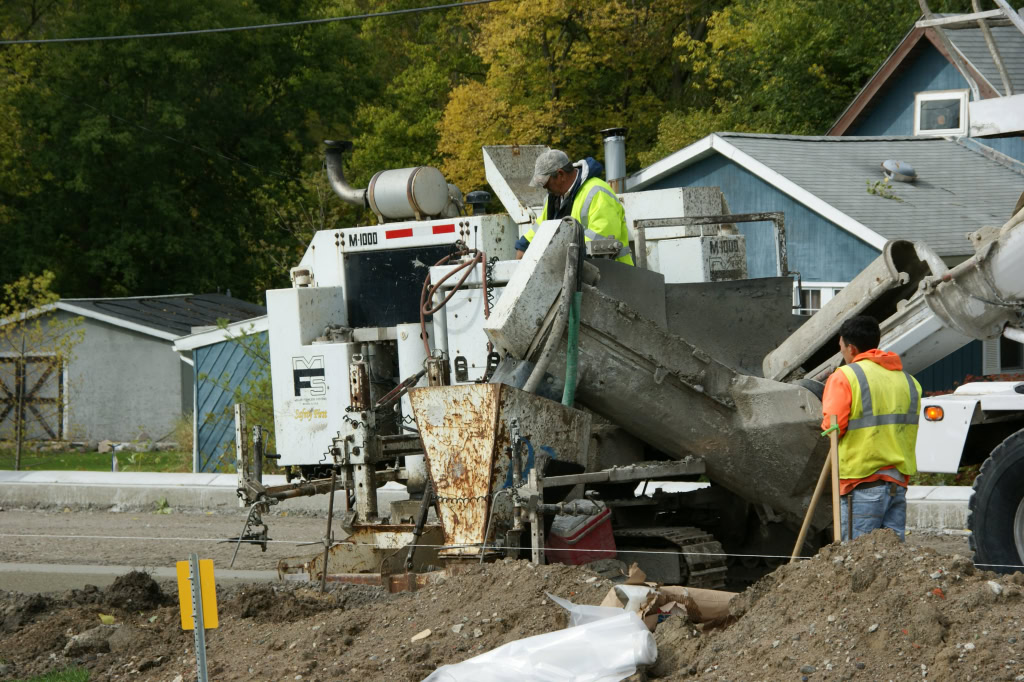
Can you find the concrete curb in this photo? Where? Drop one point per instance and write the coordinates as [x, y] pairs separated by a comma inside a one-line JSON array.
[[129, 490], [932, 508]]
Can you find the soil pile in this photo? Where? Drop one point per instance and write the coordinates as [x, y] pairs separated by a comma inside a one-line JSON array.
[[874, 610], [291, 631], [135, 591]]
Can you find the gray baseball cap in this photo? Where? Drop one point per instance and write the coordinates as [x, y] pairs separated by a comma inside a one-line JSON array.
[[547, 164]]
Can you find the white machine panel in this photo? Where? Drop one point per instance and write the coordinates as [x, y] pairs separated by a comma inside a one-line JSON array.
[[699, 259], [466, 337], [310, 380], [940, 444]]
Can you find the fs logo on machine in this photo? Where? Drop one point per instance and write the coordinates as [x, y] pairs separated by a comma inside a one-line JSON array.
[[308, 377]]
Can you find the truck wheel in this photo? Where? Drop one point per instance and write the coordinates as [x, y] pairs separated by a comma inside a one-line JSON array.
[[996, 510]]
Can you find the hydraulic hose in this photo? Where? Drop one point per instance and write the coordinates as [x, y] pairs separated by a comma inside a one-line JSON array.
[[572, 350]]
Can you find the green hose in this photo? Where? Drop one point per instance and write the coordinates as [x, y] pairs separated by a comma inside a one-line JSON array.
[[572, 352]]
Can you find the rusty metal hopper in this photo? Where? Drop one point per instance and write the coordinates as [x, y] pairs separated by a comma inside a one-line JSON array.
[[467, 433]]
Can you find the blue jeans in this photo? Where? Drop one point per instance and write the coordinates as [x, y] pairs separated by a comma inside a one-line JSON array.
[[874, 508]]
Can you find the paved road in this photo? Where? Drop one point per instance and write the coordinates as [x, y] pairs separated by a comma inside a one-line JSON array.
[[44, 550]]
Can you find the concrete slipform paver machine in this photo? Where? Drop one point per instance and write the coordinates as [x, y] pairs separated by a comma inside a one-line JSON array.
[[419, 350]]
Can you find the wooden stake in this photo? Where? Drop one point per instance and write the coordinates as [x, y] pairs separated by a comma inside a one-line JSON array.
[[818, 489], [833, 455], [831, 465]]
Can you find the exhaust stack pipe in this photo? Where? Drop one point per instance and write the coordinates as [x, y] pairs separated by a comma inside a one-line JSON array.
[[336, 176], [615, 158]]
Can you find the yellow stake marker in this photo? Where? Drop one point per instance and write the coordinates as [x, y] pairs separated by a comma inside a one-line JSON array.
[[208, 590]]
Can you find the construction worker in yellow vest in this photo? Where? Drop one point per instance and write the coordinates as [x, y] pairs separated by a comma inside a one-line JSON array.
[[876, 405], [574, 189]]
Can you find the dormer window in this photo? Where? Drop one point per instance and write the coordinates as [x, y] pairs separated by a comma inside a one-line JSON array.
[[940, 112]]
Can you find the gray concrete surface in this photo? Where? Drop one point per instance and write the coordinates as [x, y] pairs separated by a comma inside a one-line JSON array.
[[928, 507], [131, 490]]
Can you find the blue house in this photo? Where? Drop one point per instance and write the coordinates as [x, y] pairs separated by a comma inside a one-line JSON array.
[[835, 226], [224, 361], [930, 82], [840, 211]]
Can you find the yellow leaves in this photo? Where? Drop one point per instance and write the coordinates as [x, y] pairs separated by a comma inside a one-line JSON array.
[[106, 619], [478, 115], [26, 293], [32, 327]]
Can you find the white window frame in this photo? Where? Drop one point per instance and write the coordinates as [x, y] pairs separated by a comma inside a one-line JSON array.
[[828, 291], [931, 95]]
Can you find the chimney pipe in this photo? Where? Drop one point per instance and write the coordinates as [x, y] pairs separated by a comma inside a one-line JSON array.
[[615, 158], [336, 176]]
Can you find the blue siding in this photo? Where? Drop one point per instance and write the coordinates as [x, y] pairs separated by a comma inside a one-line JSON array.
[[820, 250], [220, 368], [817, 248], [948, 373], [1011, 146], [892, 110]]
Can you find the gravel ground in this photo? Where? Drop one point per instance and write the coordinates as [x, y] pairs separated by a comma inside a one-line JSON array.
[[146, 539]]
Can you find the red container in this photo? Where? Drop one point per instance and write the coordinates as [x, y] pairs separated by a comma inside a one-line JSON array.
[[581, 539]]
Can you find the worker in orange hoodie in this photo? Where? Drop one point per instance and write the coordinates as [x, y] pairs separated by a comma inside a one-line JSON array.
[[876, 405]]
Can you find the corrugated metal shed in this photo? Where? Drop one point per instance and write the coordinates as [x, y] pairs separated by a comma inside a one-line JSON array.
[[220, 368], [221, 365], [970, 43]]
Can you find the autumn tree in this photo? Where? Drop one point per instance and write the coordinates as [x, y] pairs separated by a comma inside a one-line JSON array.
[[782, 66], [559, 71]]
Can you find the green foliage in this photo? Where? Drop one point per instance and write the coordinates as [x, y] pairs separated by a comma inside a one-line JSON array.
[[556, 72], [66, 675], [166, 165], [196, 163], [882, 188], [166, 461], [783, 66], [964, 476]]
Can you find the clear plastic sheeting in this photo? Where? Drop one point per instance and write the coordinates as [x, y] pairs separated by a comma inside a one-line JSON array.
[[601, 644]]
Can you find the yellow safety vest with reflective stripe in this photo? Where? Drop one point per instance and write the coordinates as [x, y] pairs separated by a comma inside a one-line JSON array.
[[882, 430], [598, 209]]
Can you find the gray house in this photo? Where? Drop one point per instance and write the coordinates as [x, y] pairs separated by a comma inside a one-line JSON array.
[[124, 381]]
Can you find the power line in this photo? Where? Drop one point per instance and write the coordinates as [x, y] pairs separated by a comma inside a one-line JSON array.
[[305, 22]]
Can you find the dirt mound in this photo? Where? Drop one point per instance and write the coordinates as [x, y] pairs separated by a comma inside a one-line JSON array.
[[19, 609], [874, 609], [291, 602], [135, 590], [284, 630]]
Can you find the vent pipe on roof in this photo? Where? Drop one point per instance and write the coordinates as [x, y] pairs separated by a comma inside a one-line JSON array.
[[336, 176], [615, 158], [900, 171]]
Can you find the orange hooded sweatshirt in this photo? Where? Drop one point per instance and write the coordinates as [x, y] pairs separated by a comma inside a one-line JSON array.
[[836, 400]]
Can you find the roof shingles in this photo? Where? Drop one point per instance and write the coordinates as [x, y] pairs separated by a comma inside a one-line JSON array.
[[958, 190], [171, 314]]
